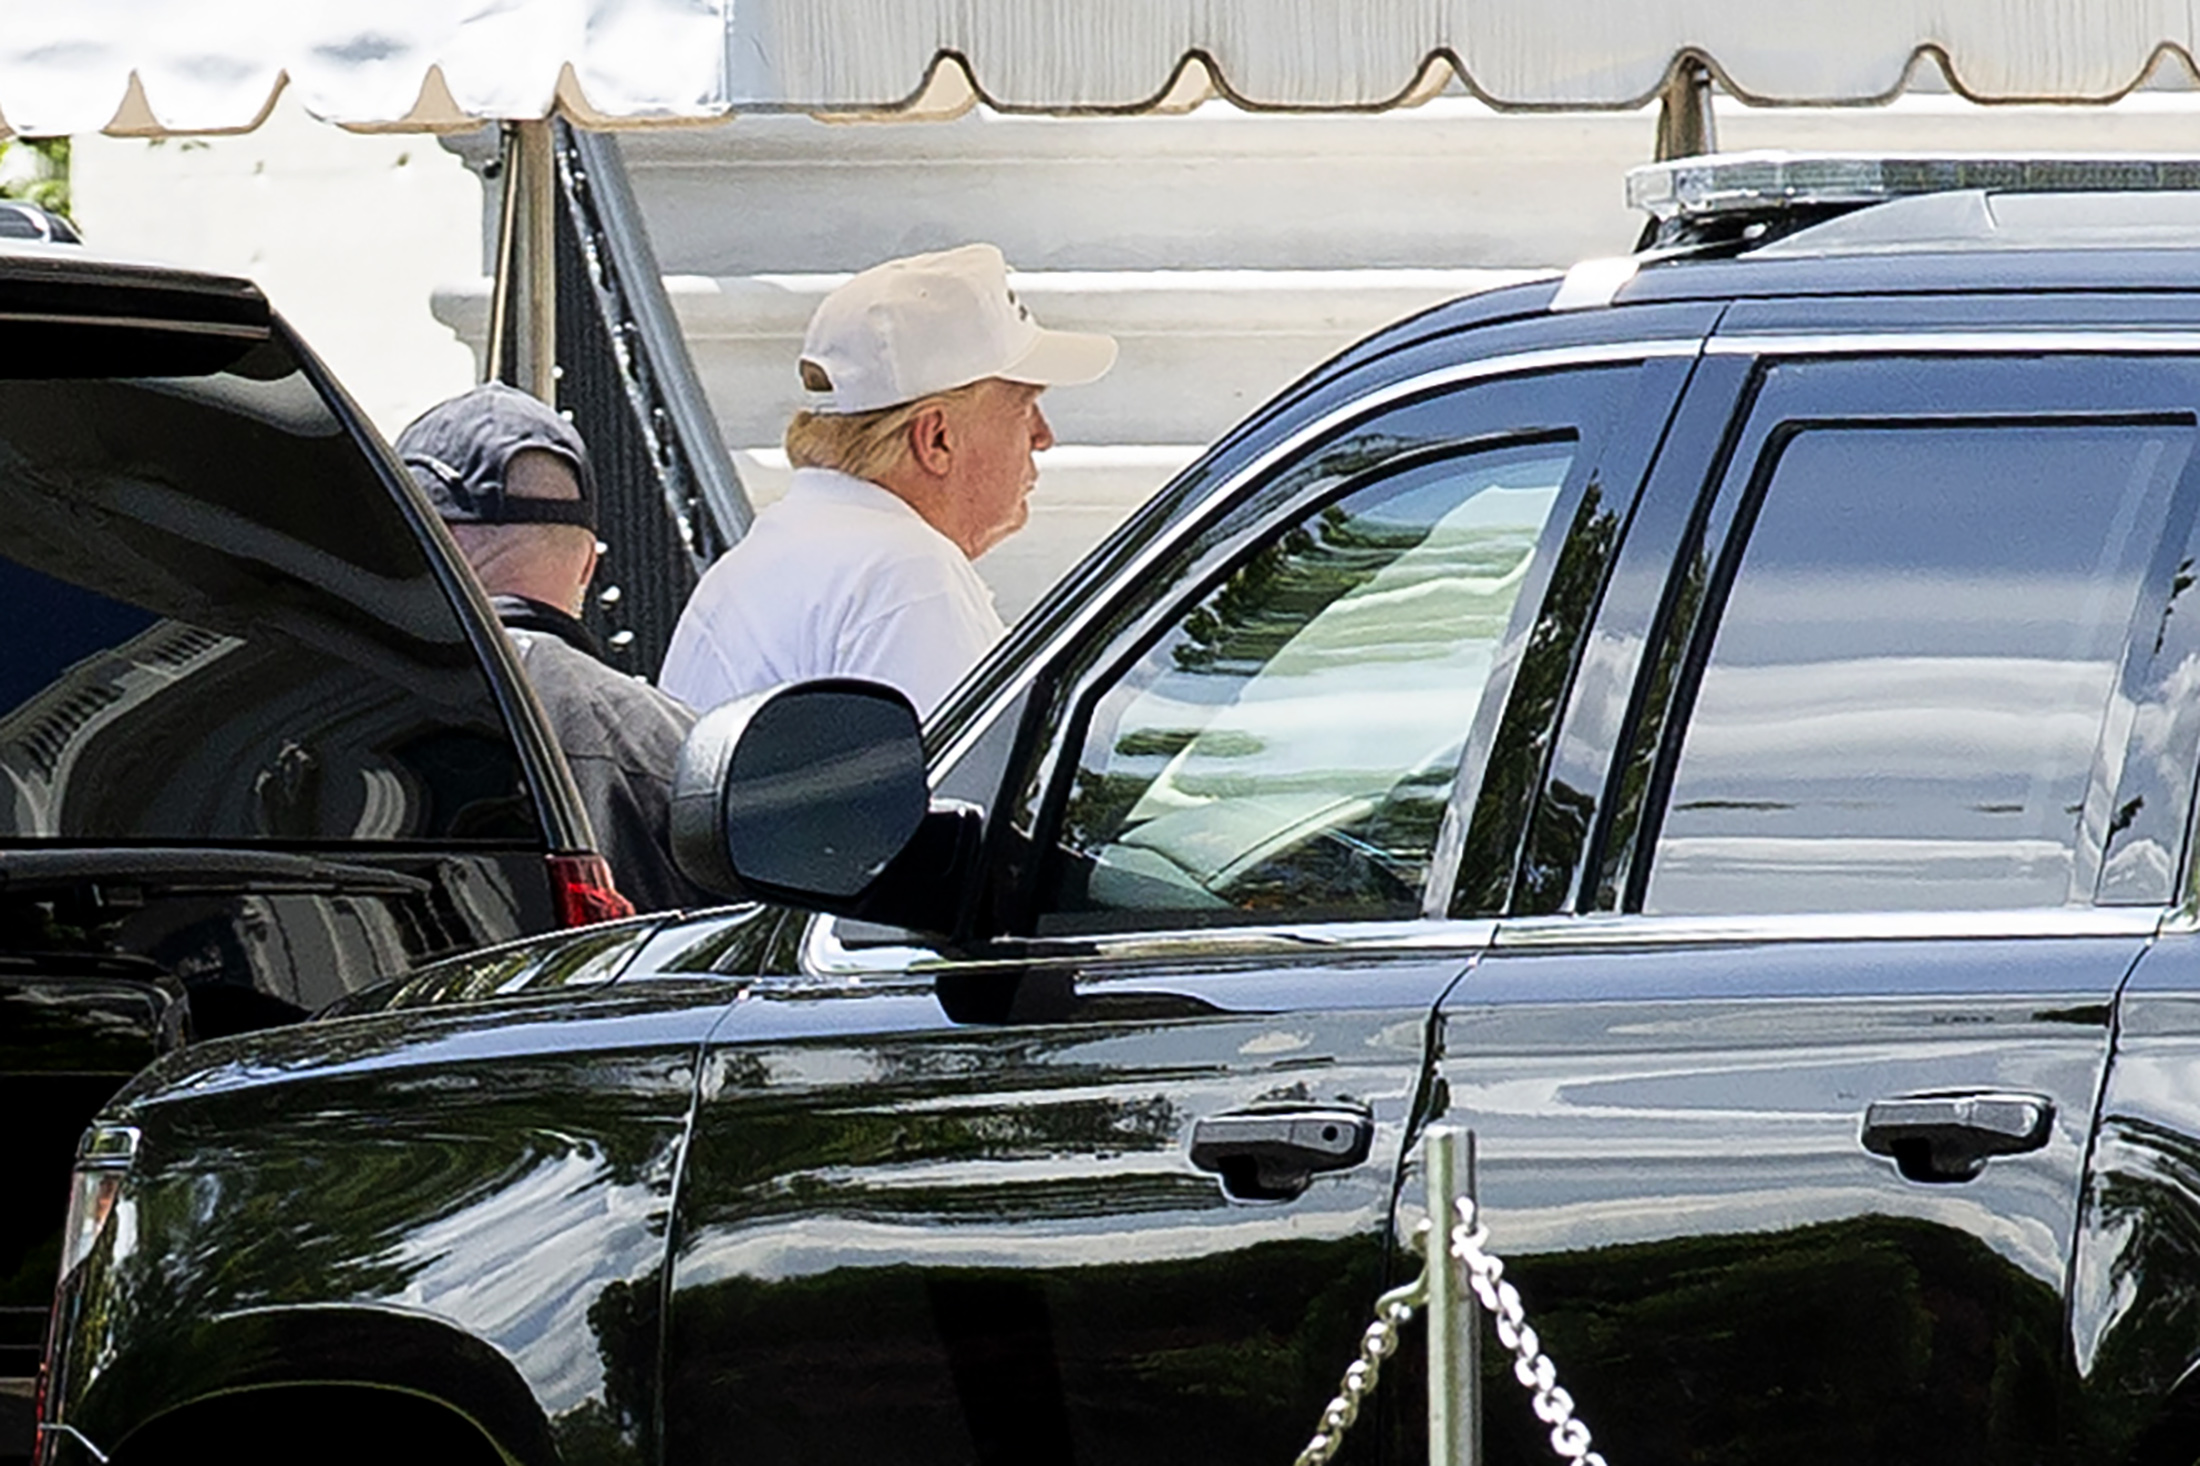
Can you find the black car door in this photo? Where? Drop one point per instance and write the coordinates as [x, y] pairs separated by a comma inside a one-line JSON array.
[[1115, 1182], [1782, 1073]]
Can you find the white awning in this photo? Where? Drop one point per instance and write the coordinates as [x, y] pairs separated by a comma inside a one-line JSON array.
[[181, 66]]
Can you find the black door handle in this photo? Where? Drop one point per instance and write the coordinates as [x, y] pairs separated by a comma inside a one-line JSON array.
[[1938, 1138], [1272, 1154]]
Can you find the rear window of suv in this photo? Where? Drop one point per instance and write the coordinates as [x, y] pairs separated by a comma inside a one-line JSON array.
[[221, 626]]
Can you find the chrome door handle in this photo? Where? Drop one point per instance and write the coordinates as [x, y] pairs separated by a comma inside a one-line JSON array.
[[1273, 1154], [1940, 1138]]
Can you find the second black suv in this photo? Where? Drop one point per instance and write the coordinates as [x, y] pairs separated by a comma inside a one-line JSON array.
[[260, 745], [1721, 728]]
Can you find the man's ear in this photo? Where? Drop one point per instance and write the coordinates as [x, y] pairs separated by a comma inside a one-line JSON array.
[[930, 442]]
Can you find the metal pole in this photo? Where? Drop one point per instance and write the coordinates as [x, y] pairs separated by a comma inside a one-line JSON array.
[[523, 309], [1686, 127], [1454, 1363]]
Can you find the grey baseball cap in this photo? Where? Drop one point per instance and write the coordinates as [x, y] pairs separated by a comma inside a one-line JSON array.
[[458, 452]]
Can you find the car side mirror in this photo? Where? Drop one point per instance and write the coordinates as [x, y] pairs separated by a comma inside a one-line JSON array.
[[813, 794]]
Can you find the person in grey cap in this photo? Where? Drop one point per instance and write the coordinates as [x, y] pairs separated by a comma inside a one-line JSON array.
[[512, 481]]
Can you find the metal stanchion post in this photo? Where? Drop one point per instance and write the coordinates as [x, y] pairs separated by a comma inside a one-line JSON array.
[[523, 307], [1454, 1340]]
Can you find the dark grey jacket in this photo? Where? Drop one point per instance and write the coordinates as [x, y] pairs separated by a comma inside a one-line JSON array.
[[622, 738]]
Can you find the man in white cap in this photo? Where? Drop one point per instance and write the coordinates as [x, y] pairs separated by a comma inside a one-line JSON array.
[[913, 458]]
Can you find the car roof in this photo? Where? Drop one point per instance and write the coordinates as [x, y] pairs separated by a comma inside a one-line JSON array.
[[68, 280], [1972, 240]]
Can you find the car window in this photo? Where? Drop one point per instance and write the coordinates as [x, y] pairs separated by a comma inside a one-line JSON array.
[[1288, 744], [223, 626], [1906, 700]]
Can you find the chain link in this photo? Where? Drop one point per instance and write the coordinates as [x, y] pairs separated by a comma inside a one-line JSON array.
[[1392, 1312], [1486, 1276], [1531, 1366]]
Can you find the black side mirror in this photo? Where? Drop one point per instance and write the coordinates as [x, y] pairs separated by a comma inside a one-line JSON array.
[[814, 794]]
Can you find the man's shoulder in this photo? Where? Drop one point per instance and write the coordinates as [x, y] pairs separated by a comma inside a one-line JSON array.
[[581, 693], [840, 551], [847, 510]]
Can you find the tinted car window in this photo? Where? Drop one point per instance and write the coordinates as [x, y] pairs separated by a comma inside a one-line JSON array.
[[1904, 704], [222, 627], [1288, 744]]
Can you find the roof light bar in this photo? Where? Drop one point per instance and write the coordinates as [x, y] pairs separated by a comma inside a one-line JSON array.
[[1761, 183]]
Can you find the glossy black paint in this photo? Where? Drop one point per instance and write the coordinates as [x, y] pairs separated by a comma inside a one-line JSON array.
[[503, 1172], [1656, 574], [1670, 1152], [2134, 1298], [72, 1032], [886, 1213]]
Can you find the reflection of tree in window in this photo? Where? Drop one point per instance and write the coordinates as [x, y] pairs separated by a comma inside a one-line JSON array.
[[1248, 620], [1521, 748], [1289, 746]]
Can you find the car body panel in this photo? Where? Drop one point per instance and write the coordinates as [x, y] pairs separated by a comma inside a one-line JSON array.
[[504, 1173], [1669, 1157], [900, 1212], [2134, 1310]]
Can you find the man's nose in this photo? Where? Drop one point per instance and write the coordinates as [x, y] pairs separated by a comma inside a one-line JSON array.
[[1042, 433]]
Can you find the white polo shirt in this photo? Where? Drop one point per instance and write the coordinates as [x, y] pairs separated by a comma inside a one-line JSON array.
[[838, 579]]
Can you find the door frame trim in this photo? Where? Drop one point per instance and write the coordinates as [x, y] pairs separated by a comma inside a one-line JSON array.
[[1621, 929], [824, 953]]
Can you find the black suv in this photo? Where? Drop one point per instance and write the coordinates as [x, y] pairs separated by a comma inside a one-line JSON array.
[[1720, 727], [260, 745]]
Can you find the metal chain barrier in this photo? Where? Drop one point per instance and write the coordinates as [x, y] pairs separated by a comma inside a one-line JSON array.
[[1392, 1312], [1451, 1390], [1531, 1366]]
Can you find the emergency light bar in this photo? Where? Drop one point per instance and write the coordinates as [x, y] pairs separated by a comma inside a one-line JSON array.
[[1744, 199]]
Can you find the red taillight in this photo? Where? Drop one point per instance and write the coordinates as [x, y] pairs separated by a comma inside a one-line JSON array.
[[581, 885], [38, 1392]]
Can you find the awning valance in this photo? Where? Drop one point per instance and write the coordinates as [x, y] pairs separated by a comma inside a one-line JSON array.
[[159, 66]]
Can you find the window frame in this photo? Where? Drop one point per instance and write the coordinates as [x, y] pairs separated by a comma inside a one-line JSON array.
[[1616, 430], [547, 811], [1731, 487], [1109, 677]]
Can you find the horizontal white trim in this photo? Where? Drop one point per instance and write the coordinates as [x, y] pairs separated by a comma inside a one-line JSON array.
[[1594, 283], [1875, 926], [823, 954], [822, 951]]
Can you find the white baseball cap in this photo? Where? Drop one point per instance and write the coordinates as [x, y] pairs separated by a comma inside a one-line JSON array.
[[912, 327]]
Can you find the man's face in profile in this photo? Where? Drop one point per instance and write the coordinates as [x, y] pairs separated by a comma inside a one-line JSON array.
[[997, 429]]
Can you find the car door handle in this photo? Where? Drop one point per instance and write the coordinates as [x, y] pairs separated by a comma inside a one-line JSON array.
[[1273, 1154], [1940, 1138]]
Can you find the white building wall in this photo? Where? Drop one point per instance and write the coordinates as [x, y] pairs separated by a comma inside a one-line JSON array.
[[349, 235]]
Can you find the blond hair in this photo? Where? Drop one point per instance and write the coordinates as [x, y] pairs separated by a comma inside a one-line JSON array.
[[866, 445]]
